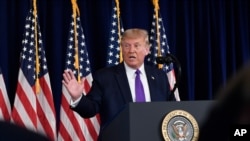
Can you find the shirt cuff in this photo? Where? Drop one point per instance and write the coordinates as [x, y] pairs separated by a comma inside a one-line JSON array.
[[73, 104]]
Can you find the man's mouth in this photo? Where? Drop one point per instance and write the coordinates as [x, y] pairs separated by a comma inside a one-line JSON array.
[[132, 57]]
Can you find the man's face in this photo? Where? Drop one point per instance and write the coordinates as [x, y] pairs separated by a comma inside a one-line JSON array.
[[134, 51]]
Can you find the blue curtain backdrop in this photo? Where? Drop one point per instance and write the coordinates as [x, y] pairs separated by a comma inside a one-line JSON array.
[[209, 37]]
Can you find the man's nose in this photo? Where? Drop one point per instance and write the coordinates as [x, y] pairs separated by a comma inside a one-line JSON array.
[[131, 49]]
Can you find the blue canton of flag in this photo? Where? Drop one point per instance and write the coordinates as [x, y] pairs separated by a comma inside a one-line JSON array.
[[151, 58], [28, 53], [113, 55], [84, 64]]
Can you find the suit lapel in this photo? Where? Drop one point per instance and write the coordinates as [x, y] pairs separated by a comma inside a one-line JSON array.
[[122, 80], [151, 83]]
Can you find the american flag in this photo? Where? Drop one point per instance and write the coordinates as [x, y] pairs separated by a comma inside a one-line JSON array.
[[5, 108], [72, 126], [164, 49], [33, 104], [116, 28]]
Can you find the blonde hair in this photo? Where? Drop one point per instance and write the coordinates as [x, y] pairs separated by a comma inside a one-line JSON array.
[[135, 33]]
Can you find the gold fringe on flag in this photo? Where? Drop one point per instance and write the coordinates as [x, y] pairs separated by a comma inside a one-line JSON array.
[[156, 9], [76, 13], [119, 26], [37, 85]]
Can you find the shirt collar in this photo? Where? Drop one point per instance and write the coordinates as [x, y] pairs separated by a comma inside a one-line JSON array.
[[130, 70]]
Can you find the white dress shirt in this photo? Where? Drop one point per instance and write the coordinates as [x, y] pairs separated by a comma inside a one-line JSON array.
[[130, 72]]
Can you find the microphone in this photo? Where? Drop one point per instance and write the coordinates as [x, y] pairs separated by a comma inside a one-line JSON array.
[[166, 60]]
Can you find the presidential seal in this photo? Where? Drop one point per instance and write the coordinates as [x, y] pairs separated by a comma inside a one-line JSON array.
[[180, 125]]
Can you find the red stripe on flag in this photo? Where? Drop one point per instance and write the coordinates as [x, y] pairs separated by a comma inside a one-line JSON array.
[[91, 129], [86, 85], [64, 132], [45, 122], [17, 119], [26, 104], [42, 109], [98, 118], [3, 107], [71, 116], [47, 93]]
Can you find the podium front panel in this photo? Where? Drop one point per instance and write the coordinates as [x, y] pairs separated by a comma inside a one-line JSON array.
[[143, 121]]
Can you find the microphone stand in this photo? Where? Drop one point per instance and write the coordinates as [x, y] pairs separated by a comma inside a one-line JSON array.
[[168, 59]]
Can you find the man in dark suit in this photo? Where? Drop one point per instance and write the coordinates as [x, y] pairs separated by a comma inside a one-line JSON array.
[[114, 87]]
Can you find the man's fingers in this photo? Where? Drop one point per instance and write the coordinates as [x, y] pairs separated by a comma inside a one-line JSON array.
[[72, 76], [67, 76]]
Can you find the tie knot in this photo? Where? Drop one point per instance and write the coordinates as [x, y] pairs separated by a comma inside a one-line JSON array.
[[137, 72]]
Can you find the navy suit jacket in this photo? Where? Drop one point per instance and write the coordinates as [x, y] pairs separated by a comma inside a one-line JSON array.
[[110, 92]]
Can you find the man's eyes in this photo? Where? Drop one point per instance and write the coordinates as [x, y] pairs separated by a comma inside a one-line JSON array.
[[136, 45]]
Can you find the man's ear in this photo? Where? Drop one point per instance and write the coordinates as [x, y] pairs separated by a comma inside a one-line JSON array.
[[147, 51]]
